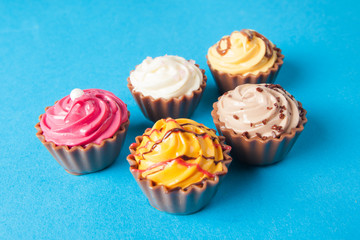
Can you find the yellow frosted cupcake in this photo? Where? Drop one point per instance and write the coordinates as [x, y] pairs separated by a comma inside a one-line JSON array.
[[245, 56], [179, 164]]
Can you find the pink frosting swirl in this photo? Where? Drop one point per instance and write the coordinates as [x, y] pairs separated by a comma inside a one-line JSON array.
[[90, 118]]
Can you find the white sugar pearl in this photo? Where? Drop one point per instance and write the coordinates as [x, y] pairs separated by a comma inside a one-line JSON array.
[[75, 93]]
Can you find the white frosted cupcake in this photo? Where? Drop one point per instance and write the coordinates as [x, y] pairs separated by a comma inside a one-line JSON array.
[[167, 86]]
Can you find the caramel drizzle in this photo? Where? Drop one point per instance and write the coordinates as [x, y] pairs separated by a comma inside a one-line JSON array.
[[182, 160], [269, 49], [222, 52], [168, 133], [249, 34], [179, 161], [200, 126]]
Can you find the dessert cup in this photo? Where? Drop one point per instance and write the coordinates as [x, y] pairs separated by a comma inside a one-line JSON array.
[[79, 160], [256, 151], [243, 57], [178, 200], [179, 164], [155, 108], [84, 131], [228, 81]]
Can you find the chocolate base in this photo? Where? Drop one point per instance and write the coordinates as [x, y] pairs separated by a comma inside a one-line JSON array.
[[228, 81], [178, 107], [257, 151], [179, 200], [80, 160]]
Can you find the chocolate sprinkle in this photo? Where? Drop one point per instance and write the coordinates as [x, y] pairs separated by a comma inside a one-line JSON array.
[[277, 128], [262, 137], [259, 89], [245, 134], [282, 116], [236, 117], [274, 86]]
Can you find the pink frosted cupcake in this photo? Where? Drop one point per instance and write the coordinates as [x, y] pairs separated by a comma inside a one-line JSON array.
[[84, 131]]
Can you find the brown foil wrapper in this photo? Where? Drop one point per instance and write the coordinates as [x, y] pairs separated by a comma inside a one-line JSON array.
[[80, 160], [178, 200], [227, 81], [179, 107], [256, 151]]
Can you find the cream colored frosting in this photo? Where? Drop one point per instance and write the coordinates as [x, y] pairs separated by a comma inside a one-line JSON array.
[[166, 77], [266, 110], [243, 52]]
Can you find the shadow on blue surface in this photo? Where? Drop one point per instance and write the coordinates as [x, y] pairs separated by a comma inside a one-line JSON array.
[[240, 176], [308, 144], [290, 74], [210, 96], [137, 128]]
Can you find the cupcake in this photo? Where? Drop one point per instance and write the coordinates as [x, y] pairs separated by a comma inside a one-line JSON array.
[[261, 122], [84, 131], [243, 57], [178, 164], [167, 86]]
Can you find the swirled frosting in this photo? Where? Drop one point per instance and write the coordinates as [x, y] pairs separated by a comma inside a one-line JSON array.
[[166, 77], [242, 53], [178, 153], [264, 110], [89, 117]]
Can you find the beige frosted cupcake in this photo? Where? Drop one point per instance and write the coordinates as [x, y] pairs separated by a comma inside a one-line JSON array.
[[261, 122], [179, 164], [167, 86], [245, 56]]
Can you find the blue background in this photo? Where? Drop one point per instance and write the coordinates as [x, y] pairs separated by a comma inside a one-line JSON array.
[[49, 48]]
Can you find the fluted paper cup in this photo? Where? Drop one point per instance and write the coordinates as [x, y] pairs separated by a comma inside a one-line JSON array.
[[256, 151], [228, 81], [178, 200], [80, 160], [178, 107]]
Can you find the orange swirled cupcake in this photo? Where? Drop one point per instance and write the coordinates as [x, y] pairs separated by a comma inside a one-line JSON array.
[[179, 157], [245, 56]]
